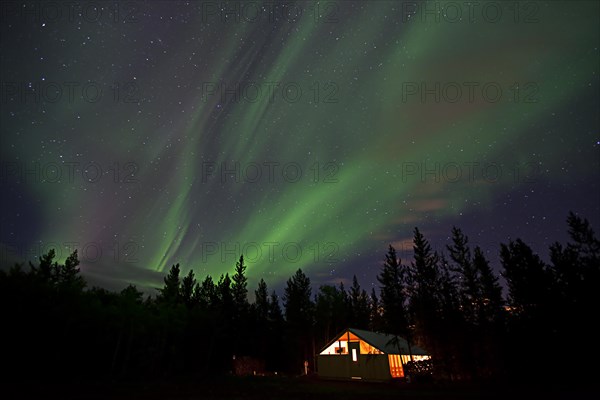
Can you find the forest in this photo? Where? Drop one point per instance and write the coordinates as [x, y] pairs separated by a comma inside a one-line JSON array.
[[537, 325]]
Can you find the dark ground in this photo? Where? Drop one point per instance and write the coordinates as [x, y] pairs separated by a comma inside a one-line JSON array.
[[280, 388]]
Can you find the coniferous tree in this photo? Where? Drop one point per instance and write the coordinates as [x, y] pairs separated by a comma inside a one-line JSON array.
[[491, 319], [259, 319], [359, 305], [127, 336], [532, 326], [187, 289], [226, 301], [331, 312], [344, 306], [276, 358], [393, 295], [241, 307], [425, 299], [197, 296], [170, 291], [207, 293], [459, 342], [299, 319], [576, 267], [68, 276], [529, 280], [46, 269], [375, 321], [492, 303], [297, 300], [239, 287], [275, 313], [449, 293], [261, 304], [468, 278], [425, 271]]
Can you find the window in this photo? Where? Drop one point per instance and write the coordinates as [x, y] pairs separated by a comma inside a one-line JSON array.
[[366, 348], [396, 369], [354, 357], [336, 348]]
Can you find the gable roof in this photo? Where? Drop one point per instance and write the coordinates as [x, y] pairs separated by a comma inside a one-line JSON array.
[[389, 344]]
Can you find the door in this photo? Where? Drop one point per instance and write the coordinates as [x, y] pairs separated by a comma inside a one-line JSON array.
[[354, 354]]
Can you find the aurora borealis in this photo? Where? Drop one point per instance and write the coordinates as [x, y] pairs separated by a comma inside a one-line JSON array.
[[306, 135]]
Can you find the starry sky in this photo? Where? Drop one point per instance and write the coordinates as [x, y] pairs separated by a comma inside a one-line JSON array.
[[303, 134]]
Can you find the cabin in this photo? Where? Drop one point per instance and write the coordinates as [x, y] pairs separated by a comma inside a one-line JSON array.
[[365, 355]]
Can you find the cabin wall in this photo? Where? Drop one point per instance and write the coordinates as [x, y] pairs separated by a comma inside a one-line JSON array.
[[374, 367]]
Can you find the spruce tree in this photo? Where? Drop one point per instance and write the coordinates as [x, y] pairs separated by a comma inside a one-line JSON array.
[[239, 287], [170, 291], [468, 277], [393, 297], [359, 305], [261, 303], [299, 311], [425, 301], [187, 289], [375, 319], [297, 300], [491, 292]]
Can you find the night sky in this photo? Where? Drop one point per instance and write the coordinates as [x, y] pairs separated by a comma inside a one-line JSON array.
[[306, 135]]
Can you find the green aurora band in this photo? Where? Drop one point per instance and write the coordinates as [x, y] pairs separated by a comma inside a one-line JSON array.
[[366, 132]]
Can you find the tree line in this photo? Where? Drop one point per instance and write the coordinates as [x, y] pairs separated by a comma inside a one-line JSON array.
[[449, 303]]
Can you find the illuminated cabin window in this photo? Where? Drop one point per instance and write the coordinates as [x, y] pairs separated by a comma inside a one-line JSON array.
[[395, 366], [396, 362], [354, 356], [366, 348], [341, 347], [336, 348]]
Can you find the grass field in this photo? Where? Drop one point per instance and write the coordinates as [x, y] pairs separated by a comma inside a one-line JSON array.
[[263, 388]]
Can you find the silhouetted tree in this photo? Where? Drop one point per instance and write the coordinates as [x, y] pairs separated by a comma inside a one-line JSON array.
[[491, 319], [376, 316], [207, 293], [491, 305], [393, 295], [276, 358], [196, 299], [426, 282], [275, 313], [170, 291], [529, 280], [297, 302], [261, 304], [239, 286], [480, 305], [576, 267], [331, 312], [299, 319], [226, 301], [187, 289], [47, 268], [54, 326], [532, 300], [359, 305], [468, 278], [68, 277]]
